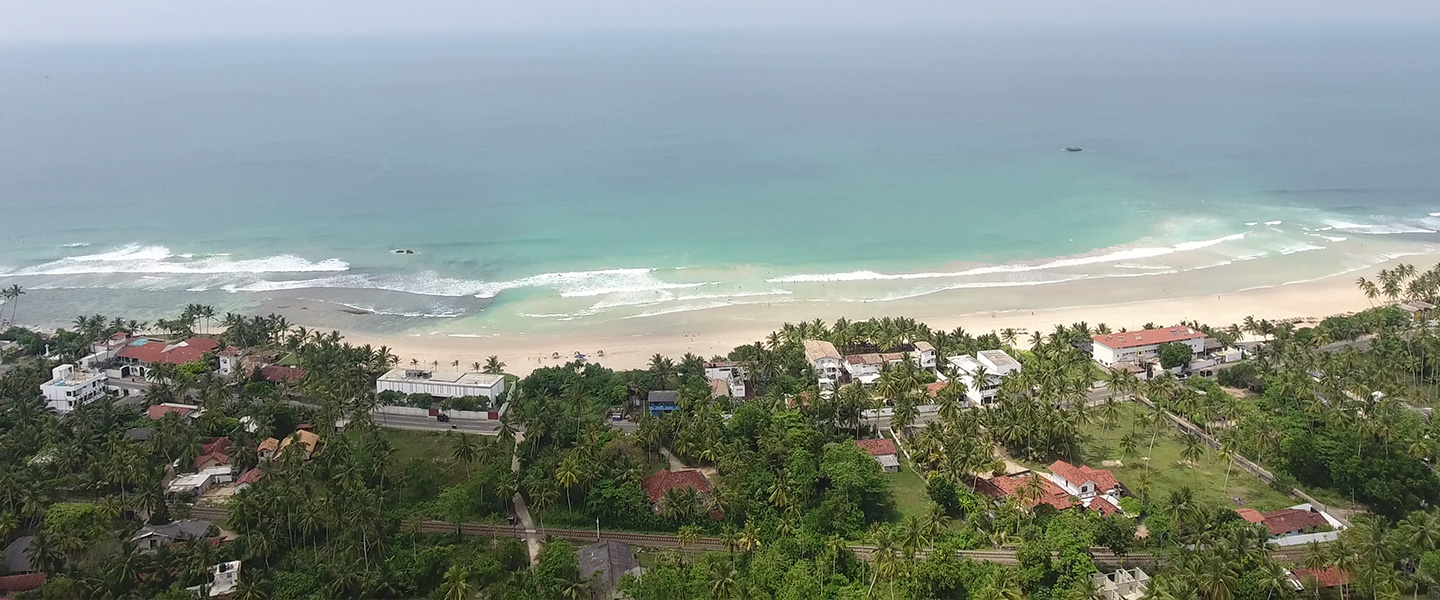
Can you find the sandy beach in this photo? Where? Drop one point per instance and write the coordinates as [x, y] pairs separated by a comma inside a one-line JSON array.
[[722, 329]]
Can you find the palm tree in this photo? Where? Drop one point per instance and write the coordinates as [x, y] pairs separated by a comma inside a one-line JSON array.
[[567, 474], [456, 586], [463, 450], [493, 366], [724, 582], [1193, 450], [12, 296]]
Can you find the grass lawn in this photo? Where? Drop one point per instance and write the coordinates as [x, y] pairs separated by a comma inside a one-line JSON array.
[[431, 445], [1167, 472], [910, 492]]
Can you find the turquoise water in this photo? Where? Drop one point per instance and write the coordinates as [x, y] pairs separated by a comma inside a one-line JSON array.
[[549, 181]]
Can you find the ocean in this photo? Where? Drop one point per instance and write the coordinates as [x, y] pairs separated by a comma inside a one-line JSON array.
[[552, 182]]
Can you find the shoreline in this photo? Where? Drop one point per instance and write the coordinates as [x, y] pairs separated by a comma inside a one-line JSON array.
[[725, 328]]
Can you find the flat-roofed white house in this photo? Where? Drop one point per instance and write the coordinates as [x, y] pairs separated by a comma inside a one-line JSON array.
[[1124, 584], [441, 384], [993, 365], [731, 373], [826, 360], [70, 386], [1138, 346]]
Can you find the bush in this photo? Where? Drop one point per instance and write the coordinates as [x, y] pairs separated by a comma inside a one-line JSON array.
[[1245, 375], [1284, 482], [1131, 506], [1175, 355]]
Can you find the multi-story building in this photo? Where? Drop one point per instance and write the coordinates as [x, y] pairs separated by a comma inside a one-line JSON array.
[[70, 386], [441, 384], [1137, 346]]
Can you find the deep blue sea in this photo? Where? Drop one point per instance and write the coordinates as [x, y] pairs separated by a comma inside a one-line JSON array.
[[554, 180]]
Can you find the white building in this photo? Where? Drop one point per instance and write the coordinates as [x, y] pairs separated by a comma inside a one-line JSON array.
[[865, 368], [70, 386], [732, 373], [994, 365], [230, 359], [1138, 346], [442, 384], [925, 356], [1125, 584], [201, 481], [224, 578], [826, 360]]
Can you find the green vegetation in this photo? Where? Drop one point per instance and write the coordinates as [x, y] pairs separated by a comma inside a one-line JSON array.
[[786, 485], [1214, 481], [912, 497]]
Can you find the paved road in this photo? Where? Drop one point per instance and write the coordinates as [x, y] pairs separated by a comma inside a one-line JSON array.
[[420, 423]]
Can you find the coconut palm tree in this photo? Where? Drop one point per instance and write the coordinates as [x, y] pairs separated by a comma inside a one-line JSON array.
[[457, 584], [493, 366], [12, 296]]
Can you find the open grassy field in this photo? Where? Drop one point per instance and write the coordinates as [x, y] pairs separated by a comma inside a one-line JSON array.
[[911, 497], [410, 444], [1167, 472]]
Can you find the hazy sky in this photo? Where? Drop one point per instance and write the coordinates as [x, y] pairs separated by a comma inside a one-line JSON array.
[[91, 20]]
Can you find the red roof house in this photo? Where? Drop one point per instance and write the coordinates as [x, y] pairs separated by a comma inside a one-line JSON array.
[[250, 477], [281, 374], [159, 411], [656, 485], [151, 352], [211, 459], [1327, 577], [1010, 485], [21, 583], [1251, 515], [1147, 337], [1084, 481], [877, 447], [1103, 506], [1288, 521]]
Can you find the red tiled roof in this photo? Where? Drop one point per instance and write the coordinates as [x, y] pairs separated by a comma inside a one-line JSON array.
[[1010, 485], [21, 583], [1251, 515], [1135, 339], [934, 388], [216, 445], [659, 483], [1104, 480], [1327, 577], [189, 350], [230, 351], [1103, 506], [250, 477], [159, 411], [281, 374], [220, 458], [877, 447], [269, 445], [1291, 519]]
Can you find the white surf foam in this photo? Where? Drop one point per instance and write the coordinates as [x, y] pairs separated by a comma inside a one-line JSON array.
[[1300, 247], [150, 260], [1387, 228], [1110, 257]]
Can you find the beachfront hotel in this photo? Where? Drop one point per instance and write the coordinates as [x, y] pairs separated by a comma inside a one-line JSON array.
[[441, 384], [1138, 346]]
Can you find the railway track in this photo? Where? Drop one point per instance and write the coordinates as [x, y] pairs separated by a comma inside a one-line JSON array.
[[1102, 556]]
